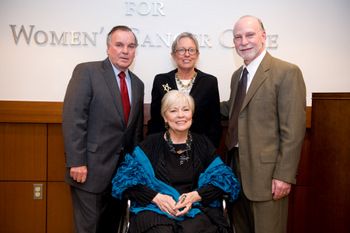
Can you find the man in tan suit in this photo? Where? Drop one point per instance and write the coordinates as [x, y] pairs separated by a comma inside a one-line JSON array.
[[270, 122]]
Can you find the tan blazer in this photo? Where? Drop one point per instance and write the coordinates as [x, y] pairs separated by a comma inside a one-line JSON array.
[[271, 126]]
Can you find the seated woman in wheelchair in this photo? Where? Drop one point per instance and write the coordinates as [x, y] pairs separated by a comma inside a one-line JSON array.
[[175, 178]]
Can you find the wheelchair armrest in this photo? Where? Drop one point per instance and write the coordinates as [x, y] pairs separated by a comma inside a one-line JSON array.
[[225, 201], [127, 214], [124, 222], [227, 208]]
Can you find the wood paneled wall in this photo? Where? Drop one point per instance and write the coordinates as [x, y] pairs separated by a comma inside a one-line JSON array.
[[31, 152], [328, 202]]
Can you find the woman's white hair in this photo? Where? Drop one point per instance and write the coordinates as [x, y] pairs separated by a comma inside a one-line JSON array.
[[174, 97]]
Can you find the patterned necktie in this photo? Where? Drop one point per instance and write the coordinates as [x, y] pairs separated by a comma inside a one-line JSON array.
[[232, 132], [125, 96]]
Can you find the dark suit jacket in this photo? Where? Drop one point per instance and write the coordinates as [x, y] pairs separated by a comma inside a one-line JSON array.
[[271, 126], [206, 118], [93, 123]]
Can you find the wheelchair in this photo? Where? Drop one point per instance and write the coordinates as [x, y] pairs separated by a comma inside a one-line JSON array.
[[124, 222]]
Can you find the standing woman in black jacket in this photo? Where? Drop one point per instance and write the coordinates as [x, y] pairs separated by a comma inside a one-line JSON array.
[[186, 78]]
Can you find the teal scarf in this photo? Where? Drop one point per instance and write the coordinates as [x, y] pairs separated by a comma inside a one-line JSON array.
[[138, 170]]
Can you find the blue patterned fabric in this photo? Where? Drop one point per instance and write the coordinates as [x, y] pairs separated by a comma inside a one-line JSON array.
[[138, 170], [221, 176]]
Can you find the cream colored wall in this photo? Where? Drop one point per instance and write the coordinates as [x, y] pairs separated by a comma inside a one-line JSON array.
[[312, 34]]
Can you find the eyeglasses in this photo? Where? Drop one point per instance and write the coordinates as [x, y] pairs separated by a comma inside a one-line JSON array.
[[182, 51]]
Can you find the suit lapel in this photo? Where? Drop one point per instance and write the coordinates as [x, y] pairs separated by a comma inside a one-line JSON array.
[[258, 79], [234, 85], [172, 81], [135, 93], [113, 87], [199, 76]]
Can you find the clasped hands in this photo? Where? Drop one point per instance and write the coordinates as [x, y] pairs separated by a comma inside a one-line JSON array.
[[176, 209]]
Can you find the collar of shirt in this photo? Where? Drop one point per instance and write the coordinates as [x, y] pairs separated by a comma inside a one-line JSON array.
[[253, 67]]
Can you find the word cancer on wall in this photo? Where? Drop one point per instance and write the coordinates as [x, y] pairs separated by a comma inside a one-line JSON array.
[[166, 39]]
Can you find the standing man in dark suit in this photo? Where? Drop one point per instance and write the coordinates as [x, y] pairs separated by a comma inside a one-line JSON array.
[[97, 132], [265, 133]]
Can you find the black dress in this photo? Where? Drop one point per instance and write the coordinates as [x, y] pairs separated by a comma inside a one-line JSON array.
[[183, 178]]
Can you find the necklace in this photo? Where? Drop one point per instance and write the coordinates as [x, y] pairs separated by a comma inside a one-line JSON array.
[[188, 84], [183, 153]]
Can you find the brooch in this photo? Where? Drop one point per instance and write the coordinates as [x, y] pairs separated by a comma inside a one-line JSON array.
[[166, 87]]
